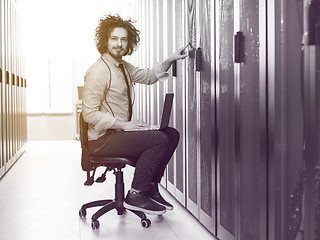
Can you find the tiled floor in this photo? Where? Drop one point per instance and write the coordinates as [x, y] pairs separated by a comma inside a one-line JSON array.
[[42, 193]]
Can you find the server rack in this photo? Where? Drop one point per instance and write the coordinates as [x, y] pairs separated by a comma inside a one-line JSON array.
[[246, 107], [12, 87], [168, 29]]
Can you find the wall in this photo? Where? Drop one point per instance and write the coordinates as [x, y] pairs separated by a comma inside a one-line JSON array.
[[51, 127], [60, 47]]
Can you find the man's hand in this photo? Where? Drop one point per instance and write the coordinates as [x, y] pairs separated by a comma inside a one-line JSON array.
[[135, 125], [181, 53]]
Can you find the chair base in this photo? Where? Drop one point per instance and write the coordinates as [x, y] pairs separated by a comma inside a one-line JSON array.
[[108, 204]]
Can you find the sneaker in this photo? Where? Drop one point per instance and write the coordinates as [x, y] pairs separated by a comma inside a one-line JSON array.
[[138, 201], [155, 196]]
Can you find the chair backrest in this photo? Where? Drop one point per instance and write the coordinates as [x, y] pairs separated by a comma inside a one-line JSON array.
[[83, 132], [86, 164]]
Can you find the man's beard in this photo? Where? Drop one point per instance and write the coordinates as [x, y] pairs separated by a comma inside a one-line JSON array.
[[119, 55]]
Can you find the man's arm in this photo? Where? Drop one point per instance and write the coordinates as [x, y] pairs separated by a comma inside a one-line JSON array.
[[179, 54], [165, 65], [159, 70]]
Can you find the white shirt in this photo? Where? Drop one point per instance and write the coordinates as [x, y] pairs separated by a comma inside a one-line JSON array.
[[104, 97]]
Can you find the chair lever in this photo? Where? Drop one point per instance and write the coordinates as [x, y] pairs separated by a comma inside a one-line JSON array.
[[102, 178], [90, 179]]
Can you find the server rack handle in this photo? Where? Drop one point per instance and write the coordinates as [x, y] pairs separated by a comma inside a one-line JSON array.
[[174, 68], [239, 47], [198, 59]]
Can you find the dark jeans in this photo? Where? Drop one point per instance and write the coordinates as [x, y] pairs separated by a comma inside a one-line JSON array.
[[152, 149]]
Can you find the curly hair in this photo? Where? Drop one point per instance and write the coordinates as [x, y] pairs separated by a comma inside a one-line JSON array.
[[106, 25]]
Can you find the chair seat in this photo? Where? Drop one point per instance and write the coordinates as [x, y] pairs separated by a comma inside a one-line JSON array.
[[114, 161]]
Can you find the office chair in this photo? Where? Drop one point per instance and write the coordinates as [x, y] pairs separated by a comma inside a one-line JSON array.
[[89, 163]]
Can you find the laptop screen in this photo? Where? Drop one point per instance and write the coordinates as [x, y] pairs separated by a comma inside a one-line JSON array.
[[166, 113]]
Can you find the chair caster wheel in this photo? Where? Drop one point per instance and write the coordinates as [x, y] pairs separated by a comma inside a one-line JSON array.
[[95, 224], [120, 211], [82, 213], [145, 223]]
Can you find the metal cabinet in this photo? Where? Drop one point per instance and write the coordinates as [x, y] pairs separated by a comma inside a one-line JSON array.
[[200, 113], [190, 175], [242, 119], [12, 88], [176, 181], [247, 158], [1, 120]]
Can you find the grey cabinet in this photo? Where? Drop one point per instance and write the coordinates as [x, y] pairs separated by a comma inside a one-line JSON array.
[[13, 129], [246, 106]]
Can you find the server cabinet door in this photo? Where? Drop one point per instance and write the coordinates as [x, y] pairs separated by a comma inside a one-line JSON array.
[[311, 210], [206, 104], [13, 119], [200, 121], [310, 224], [1, 84], [176, 39], [8, 85], [18, 114], [1, 146], [226, 164], [180, 105], [251, 123], [170, 29], [24, 111], [4, 82], [286, 157], [9, 120], [4, 121], [241, 121], [179, 116], [192, 113]]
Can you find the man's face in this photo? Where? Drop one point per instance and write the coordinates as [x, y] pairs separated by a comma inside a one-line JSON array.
[[118, 43]]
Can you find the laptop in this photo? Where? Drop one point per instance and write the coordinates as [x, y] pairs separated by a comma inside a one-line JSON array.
[[166, 113]]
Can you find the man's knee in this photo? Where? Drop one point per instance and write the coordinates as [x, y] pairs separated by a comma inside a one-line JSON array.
[[172, 134], [162, 138]]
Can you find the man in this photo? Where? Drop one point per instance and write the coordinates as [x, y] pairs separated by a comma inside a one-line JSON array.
[[107, 107]]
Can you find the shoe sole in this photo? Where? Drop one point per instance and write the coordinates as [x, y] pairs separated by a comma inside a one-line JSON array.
[[135, 208], [166, 206]]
